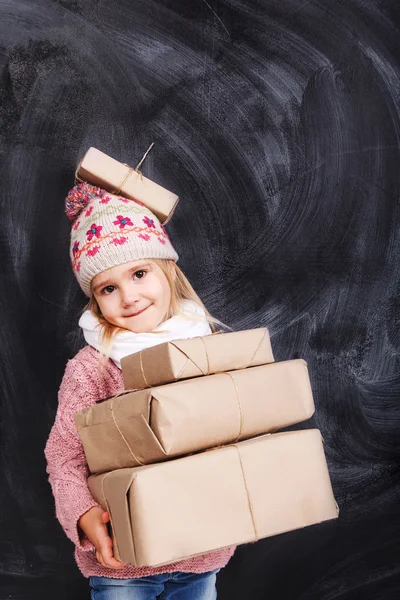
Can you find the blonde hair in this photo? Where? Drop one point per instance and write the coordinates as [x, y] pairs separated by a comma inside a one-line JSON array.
[[181, 289]]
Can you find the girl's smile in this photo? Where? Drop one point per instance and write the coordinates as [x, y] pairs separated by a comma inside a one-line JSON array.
[[134, 296], [139, 312]]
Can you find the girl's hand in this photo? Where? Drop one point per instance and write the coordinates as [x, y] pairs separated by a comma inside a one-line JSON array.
[[93, 524]]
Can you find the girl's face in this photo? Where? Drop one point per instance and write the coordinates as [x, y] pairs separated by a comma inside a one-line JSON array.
[[135, 295]]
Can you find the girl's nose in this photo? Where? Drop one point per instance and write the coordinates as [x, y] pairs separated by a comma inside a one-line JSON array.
[[129, 296]]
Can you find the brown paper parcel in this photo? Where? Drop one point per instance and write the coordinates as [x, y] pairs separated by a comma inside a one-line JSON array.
[[182, 359], [155, 424], [231, 495], [100, 169]]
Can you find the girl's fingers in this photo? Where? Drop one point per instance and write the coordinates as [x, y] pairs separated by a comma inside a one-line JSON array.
[[109, 562], [106, 557], [113, 563], [99, 558], [105, 553]]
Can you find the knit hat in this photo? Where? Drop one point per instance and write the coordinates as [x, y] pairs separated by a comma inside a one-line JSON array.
[[110, 230]]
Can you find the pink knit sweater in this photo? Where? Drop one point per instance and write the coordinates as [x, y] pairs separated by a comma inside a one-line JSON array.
[[67, 468]]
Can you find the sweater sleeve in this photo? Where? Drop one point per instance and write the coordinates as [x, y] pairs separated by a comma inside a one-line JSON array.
[[66, 461]]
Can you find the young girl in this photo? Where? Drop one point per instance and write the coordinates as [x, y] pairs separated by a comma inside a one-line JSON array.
[[125, 263]]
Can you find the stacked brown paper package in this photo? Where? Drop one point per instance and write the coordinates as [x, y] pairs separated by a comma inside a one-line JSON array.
[[205, 393], [185, 359], [101, 170], [231, 495]]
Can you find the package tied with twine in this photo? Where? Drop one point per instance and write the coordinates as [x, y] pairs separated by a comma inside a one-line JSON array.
[[231, 495], [182, 359], [97, 168], [172, 420]]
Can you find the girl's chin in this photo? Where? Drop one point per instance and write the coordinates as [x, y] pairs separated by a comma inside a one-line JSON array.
[[144, 322], [142, 326]]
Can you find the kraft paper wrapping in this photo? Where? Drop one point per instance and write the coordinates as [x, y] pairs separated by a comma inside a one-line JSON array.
[[182, 359], [155, 424], [103, 171], [232, 495]]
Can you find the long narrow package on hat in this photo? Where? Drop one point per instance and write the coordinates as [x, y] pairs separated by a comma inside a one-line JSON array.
[[184, 359], [107, 173], [232, 495], [191, 415]]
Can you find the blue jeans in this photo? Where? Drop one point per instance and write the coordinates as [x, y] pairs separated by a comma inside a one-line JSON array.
[[174, 586]]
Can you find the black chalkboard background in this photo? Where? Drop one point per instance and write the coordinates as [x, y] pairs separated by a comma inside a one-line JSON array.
[[277, 123]]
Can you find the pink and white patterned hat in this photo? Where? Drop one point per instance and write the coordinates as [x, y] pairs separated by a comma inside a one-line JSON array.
[[110, 230]]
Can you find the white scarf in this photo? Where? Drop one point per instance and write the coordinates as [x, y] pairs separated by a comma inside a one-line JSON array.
[[127, 342]]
